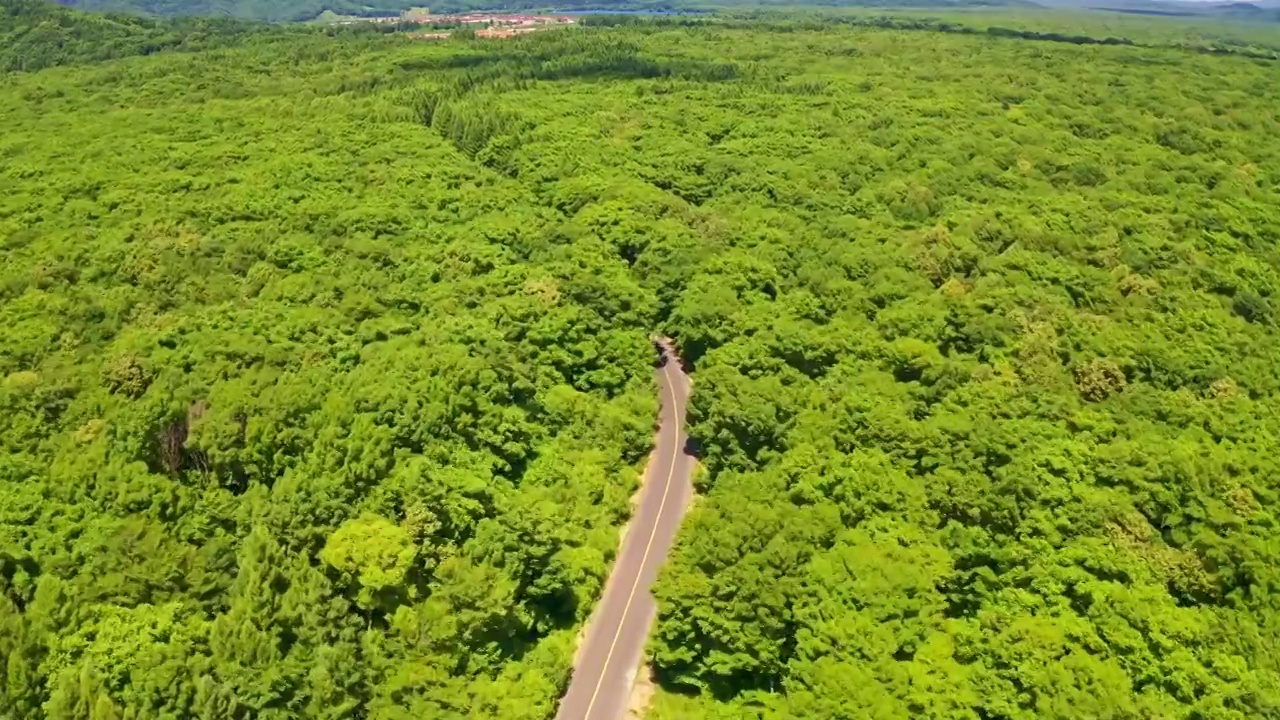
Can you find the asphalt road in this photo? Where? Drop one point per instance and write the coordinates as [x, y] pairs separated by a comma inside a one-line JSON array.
[[619, 627]]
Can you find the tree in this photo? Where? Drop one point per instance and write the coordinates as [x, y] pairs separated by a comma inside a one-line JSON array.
[[373, 557]]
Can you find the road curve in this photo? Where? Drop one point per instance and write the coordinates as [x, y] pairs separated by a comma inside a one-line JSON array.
[[619, 627]]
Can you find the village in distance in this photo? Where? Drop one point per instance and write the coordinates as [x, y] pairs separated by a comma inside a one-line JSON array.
[[421, 24]]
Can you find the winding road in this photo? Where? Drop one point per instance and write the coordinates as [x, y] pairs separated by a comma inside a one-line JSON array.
[[614, 645]]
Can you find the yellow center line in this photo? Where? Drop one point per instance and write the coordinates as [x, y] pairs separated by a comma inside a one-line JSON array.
[[644, 559]]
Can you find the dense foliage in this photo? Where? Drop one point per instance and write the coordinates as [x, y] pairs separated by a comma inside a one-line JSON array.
[[986, 381], [325, 373], [302, 413]]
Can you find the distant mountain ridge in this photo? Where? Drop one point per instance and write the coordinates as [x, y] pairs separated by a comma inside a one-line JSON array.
[[298, 10], [270, 10], [1240, 9]]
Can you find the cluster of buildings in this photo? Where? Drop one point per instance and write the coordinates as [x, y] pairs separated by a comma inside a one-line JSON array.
[[494, 20], [507, 23], [489, 25]]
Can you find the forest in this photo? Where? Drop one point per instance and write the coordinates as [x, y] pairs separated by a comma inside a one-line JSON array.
[[325, 368]]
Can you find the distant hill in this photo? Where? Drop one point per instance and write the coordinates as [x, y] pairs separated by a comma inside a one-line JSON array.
[[1245, 10], [274, 10], [35, 34], [1263, 10], [1235, 10]]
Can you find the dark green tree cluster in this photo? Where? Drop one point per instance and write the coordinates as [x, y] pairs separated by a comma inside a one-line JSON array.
[[35, 34], [325, 373], [1209, 35]]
